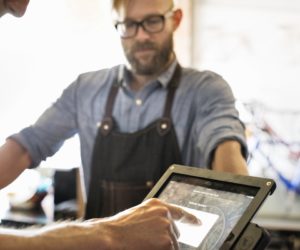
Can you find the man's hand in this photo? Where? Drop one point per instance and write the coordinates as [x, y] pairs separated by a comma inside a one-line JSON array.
[[149, 225]]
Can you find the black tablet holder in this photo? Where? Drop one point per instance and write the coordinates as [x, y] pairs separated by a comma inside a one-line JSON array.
[[254, 237]]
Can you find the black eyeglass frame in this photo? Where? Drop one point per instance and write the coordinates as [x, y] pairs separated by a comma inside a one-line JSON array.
[[169, 13]]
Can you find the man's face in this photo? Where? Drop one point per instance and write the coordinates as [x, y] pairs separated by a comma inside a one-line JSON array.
[[147, 53], [14, 7]]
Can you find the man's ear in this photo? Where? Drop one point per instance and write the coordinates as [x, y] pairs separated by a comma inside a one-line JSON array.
[[177, 17]]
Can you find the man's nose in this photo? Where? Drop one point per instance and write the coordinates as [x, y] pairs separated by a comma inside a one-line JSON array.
[[141, 33]]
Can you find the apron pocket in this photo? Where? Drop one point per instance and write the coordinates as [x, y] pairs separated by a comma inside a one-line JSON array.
[[118, 196]]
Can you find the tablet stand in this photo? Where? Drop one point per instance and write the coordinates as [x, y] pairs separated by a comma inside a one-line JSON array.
[[253, 238]]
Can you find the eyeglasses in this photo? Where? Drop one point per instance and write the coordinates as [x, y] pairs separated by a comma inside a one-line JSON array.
[[151, 24]]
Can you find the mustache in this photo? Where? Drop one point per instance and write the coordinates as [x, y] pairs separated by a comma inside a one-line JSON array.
[[144, 45]]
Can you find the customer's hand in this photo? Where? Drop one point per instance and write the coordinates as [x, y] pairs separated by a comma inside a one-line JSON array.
[[149, 225]]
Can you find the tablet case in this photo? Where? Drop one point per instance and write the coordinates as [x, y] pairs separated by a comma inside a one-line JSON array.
[[244, 235]]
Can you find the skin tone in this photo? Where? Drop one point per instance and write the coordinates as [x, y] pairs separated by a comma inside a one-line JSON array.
[[15, 7], [228, 158]]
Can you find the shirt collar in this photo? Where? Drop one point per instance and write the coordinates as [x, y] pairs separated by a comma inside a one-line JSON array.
[[164, 78]]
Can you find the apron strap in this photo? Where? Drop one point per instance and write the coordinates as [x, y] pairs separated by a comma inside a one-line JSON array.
[[164, 124], [174, 83], [107, 122], [111, 99]]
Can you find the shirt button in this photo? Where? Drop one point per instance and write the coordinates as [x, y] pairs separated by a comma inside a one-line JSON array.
[[138, 102]]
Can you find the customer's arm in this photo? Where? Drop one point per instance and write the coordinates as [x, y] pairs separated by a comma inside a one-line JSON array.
[[14, 159], [228, 158], [147, 226]]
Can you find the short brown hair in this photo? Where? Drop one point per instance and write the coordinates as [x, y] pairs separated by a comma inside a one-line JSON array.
[[116, 4]]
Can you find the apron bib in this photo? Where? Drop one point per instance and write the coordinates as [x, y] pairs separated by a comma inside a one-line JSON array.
[[125, 166]]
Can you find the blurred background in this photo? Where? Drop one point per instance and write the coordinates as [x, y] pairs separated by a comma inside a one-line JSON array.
[[253, 44]]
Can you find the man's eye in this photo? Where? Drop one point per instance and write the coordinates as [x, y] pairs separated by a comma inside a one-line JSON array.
[[129, 25], [153, 20]]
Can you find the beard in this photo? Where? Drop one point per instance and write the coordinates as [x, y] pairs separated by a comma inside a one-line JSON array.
[[153, 64]]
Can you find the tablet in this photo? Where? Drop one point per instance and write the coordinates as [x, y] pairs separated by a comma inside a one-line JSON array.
[[225, 203]]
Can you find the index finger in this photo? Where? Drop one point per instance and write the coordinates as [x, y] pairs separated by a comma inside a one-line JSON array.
[[178, 213]]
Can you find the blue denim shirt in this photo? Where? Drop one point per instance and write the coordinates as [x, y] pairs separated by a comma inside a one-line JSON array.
[[203, 114]]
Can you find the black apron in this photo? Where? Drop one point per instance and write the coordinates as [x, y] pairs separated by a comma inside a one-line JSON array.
[[125, 166]]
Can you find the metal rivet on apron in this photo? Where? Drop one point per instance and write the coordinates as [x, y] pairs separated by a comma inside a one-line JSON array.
[[138, 102], [106, 127], [164, 126], [149, 183]]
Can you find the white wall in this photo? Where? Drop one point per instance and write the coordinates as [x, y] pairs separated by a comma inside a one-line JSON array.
[[254, 44]]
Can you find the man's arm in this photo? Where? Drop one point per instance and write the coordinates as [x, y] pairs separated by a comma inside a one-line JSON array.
[[228, 158], [14, 159], [147, 226]]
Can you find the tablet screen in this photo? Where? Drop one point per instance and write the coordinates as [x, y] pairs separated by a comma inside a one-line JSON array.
[[219, 205]]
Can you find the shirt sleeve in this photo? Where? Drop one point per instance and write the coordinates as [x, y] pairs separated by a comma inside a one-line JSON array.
[[54, 126], [218, 117]]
